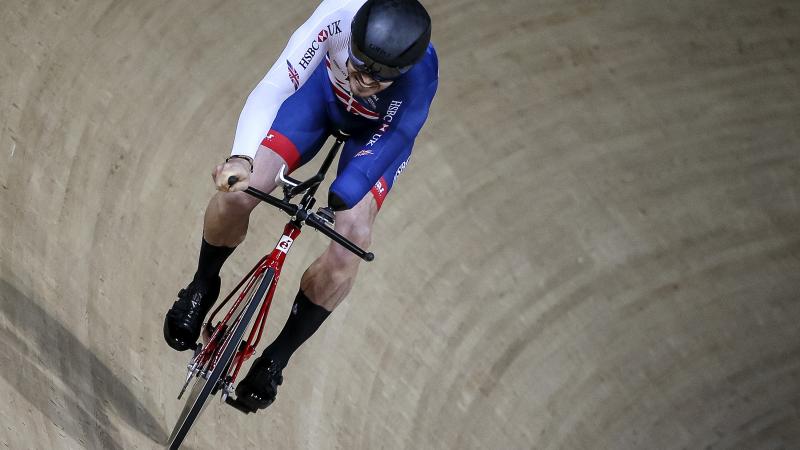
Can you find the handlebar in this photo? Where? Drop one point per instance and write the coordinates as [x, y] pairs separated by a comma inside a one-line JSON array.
[[319, 224], [312, 219], [301, 213]]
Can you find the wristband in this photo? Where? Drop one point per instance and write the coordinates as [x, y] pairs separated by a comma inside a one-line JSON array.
[[246, 158]]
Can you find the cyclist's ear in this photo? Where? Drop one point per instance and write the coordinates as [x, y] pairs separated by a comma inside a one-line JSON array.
[[335, 202]]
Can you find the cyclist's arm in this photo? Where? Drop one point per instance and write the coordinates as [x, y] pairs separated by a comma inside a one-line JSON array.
[[282, 80]]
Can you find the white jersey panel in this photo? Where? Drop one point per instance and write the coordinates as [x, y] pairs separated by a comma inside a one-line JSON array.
[[327, 31]]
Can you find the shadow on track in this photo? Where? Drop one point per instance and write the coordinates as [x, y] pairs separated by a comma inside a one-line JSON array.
[[63, 378]]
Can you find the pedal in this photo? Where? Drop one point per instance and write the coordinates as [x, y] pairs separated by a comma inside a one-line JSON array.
[[241, 406]]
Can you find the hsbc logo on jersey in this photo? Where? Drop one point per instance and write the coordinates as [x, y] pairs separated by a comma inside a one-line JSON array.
[[394, 106], [331, 30]]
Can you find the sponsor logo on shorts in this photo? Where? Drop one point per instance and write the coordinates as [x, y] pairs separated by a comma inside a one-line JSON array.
[[379, 191], [364, 152], [332, 29], [400, 170], [284, 244], [380, 188], [293, 75]]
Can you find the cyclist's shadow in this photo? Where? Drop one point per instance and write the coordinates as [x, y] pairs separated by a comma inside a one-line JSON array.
[[63, 379]]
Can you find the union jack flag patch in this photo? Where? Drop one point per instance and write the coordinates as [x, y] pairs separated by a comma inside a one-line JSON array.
[[293, 75]]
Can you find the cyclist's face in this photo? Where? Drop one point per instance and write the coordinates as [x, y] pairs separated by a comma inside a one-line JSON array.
[[363, 85]]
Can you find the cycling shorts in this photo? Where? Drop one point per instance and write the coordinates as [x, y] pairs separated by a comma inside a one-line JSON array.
[[309, 116]]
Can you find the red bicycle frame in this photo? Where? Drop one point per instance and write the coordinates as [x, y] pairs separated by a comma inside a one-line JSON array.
[[272, 261]]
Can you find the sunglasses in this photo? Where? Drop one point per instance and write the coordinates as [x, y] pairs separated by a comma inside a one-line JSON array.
[[375, 70]]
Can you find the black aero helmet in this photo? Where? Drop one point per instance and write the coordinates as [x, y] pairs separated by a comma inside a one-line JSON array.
[[388, 36]]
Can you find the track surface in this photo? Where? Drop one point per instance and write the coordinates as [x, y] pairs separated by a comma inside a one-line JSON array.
[[596, 245]]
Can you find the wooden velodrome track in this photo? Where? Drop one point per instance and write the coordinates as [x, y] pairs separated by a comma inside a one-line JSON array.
[[596, 245]]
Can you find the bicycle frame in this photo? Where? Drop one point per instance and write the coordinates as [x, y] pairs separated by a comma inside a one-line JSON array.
[[218, 338], [272, 261]]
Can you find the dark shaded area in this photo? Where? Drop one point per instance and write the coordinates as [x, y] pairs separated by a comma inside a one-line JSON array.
[[39, 349]]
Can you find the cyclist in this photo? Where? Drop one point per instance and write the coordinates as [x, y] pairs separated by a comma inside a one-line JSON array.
[[363, 67]]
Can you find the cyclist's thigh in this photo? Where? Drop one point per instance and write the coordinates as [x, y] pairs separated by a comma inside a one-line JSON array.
[[301, 126], [359, 165]]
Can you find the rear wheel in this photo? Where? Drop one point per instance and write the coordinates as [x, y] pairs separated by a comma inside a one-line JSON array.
[[207, 385]]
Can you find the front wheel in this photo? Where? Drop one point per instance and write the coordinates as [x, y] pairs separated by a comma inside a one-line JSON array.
[[206, 385]]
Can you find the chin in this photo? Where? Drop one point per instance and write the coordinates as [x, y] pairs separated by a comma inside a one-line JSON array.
[[359, 92]]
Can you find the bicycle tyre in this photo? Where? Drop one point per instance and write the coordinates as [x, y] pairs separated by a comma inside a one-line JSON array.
[[203, 387]]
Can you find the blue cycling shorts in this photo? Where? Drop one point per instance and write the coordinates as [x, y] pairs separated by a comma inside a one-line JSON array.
[[308, 117]]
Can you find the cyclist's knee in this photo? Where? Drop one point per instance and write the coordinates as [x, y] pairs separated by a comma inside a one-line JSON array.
[[236, 203], [356, 229], [336, 258], [356, 225]]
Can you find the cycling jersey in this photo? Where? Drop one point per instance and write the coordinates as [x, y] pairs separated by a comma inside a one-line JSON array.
[[306, 95]]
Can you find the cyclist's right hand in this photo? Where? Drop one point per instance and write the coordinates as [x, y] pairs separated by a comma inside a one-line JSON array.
[[235, 167]]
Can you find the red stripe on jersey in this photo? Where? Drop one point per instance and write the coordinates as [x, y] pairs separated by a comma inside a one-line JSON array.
[[379, 191], [284, 147]]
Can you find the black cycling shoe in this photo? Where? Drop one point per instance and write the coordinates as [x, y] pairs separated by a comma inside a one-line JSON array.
[[260, 386], [184, 320]]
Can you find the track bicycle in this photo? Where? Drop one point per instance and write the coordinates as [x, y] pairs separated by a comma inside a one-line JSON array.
[[217, 361]]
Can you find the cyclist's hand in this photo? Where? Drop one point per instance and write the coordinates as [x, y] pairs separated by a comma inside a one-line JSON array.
[[236, 167]]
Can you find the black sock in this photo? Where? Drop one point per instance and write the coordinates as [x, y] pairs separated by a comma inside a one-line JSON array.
[[211, 260], [303, 321]]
